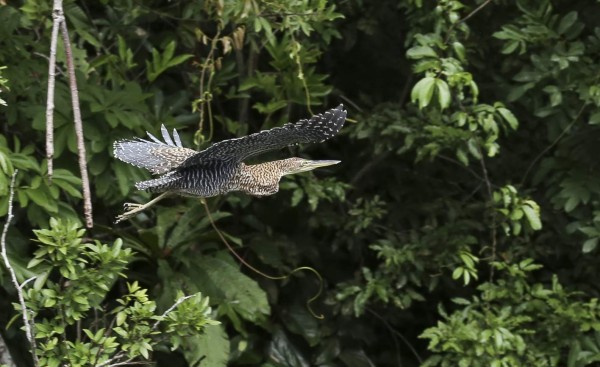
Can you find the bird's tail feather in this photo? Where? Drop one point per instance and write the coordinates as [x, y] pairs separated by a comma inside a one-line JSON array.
[[156, 156]]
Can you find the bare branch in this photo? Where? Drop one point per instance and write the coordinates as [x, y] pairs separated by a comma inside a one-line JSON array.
[[57, 19], [85, 182], [24, 311]]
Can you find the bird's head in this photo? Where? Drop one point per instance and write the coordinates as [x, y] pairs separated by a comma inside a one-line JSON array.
[[297, 165]]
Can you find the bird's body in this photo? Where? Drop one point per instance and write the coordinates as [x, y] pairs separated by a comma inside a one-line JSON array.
[[220, 168]]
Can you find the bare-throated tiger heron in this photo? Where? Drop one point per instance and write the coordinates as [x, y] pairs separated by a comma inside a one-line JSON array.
[[220, 168]]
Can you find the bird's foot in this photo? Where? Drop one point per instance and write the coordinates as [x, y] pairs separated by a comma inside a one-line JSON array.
[[130, 210], [131, 206]]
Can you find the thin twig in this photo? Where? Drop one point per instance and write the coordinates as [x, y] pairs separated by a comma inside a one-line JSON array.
[[108, 362], [85, 182], [351, 103], [57, 19], [395, 332], [177, 303], [465, 18], [24, 311], [558, 138], [27, 281], [280, 277], [367, 167], [231, 249], [454, 161], [130, 362], [204, 67], [490, 193]]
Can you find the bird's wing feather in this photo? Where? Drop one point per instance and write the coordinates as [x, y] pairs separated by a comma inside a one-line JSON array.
[[314, 130], [156, 156]]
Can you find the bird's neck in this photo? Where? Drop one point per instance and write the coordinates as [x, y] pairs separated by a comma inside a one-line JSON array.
[[259, 179]]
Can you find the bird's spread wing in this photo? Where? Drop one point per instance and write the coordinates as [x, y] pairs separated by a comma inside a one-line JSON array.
[[314, 130], [156, 156]]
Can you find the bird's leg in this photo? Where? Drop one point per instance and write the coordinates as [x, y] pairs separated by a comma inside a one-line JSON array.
[[134, 208]]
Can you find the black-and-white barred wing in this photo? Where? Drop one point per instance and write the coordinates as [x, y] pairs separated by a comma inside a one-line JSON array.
[[314, 130], [156, 156]]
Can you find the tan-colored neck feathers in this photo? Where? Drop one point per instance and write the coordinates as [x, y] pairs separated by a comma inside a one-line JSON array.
[[260, 179]]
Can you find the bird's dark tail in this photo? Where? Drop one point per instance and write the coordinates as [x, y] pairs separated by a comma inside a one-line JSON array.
[[158, 184]]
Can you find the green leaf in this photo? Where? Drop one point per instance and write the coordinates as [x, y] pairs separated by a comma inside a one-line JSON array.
[[209, 349], [178, 60], [299, 321], [461, 301], [574, 353], [508, 116], [462, 157], [590, 245], [40, 281], [533, 217], [459, 49], [121, 317], [356, 358], [419, 52], [444, 96], [222, 281], [458, 272], [595, 118], [566, 22], [423, 91]]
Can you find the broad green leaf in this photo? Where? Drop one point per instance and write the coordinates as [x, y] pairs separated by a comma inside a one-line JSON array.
[[222, 281], [299, 321], [209, 349]]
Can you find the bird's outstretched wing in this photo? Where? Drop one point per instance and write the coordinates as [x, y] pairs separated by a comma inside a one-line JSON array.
[[156, 156], [314, 130]]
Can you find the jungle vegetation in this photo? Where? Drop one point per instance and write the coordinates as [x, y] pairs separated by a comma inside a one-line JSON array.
[[460, 229]]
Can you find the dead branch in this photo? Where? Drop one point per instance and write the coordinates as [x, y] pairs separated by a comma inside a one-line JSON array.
[[24, 311], [85, 182], [57, 19]]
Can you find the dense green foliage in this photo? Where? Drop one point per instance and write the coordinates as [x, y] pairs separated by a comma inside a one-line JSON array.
[[460, 229]]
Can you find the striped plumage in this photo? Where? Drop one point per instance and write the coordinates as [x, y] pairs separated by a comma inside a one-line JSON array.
[[220, 168]]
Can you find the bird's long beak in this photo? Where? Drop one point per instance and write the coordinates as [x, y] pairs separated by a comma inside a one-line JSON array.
[[310, 165]]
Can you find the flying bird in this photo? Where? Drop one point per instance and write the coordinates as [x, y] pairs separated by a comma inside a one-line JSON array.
[[220, 168]]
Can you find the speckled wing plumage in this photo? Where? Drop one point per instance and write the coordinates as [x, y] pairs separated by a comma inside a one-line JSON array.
[[314, 130], [156, 156]]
